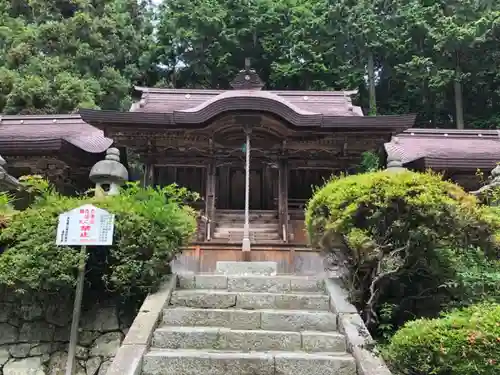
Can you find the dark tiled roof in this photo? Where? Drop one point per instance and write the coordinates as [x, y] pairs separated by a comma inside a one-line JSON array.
[[441, 148], [299, 120], [49, 133], [182, 108]]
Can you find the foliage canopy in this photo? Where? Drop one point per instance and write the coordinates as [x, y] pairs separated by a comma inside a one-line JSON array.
[[430, 57], [59, 55]]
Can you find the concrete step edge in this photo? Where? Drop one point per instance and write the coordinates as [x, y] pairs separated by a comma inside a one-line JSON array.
[[267, 319], [183, 362], [161, 352], [267, 311], [187, 329], [297, 293], [250, 300], [252, 283]]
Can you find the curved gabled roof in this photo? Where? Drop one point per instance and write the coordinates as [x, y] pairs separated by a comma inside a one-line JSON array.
[[247, 101], [330, 103], [302, 110]]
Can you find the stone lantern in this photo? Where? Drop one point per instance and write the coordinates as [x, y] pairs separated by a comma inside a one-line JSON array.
[[492, 185], [394, 164], [109, 173], [7, 182], [394, 160]]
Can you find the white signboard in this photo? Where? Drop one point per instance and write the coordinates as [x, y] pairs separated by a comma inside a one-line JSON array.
[[85, 226]]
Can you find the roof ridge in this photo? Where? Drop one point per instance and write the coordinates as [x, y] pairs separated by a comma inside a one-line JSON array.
[[160, 90], [40, 117], [439, 132]]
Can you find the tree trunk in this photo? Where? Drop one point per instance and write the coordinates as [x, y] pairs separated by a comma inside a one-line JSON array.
[[371, 85], [459, 107]]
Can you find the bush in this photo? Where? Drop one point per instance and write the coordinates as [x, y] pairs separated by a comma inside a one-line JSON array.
[[463, 342], [6, 210], [395, 229], [477, 278], [151, 226]]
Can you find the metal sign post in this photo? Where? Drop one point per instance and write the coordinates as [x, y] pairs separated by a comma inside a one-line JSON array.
[[84, 226]]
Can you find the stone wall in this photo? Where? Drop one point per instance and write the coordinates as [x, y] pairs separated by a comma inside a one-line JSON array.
[[34, 337]]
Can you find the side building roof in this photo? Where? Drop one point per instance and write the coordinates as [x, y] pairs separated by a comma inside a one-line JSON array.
[[447, 148], [67, 135]]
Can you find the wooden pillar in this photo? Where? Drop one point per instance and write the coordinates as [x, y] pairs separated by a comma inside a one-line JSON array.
[[148, 178], [286, 173], [280, 197], [267, 188], [210, 199], [283, 198], [225, 186], [246, 246]]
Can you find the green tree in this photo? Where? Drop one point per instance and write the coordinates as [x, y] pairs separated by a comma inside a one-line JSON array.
[[444, 60], [204, 43], [59, 55], [438, 59]]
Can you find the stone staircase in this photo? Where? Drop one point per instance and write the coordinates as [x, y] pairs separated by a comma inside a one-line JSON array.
[[264, 226], [248, 321]]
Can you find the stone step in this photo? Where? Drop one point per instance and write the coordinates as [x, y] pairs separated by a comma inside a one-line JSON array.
[[260, 229], [270, 320], [254, 283], [237, 216], [239, 233], [195, 362], [254, 242], [241, 217], [264, 236], [241, 223], [237, 237], [218, 299], [253, 224], [231, 267], [222, 338]]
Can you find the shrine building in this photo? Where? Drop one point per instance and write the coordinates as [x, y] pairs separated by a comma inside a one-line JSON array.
[[253, 155]]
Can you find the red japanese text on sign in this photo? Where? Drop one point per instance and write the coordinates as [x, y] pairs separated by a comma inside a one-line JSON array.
[[86, 222]]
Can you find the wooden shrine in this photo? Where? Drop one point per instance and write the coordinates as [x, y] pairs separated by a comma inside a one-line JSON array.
[[201, 139]]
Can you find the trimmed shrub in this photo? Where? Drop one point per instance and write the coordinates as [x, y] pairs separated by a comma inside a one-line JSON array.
[[395, 229], [6, 210], [463, 342], [477, 278], [151, 226]]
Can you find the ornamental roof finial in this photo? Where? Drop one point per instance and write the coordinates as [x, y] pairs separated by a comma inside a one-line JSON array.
[[247, 79]]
